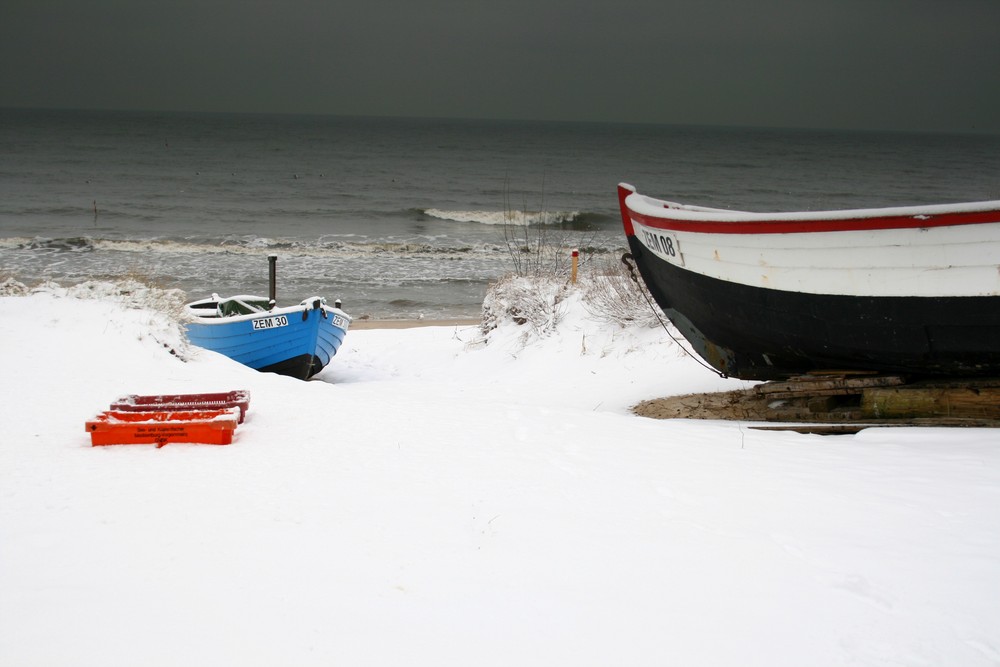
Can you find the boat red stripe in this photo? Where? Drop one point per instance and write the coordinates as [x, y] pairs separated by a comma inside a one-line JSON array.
[[624, 192], [806, 226]]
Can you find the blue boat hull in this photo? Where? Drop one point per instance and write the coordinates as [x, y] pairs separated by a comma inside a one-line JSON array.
[[297, 341]]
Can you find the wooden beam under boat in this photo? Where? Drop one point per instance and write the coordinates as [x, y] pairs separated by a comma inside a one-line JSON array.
[[858, 402]]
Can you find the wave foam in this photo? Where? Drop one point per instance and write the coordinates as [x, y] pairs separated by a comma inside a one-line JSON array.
[[261, 246], [253, 246], [515, 218], [70, 244]]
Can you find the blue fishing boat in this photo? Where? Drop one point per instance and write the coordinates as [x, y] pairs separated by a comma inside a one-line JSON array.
[[298, 341]]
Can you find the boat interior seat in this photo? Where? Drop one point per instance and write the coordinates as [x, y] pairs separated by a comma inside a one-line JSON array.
[[231, 307]]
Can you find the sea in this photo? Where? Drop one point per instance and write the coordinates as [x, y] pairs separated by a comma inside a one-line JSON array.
[[406, 217]]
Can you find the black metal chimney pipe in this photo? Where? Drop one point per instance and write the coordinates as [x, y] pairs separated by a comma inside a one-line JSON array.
[[272, 294]]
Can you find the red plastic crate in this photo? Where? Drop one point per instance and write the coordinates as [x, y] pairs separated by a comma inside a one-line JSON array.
[[177, 402], [210, 427]]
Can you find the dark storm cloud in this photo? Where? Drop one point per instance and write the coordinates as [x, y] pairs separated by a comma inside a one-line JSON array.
[[903, 64]]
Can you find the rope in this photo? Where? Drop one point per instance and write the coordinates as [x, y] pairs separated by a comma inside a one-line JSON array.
[[627, 261]]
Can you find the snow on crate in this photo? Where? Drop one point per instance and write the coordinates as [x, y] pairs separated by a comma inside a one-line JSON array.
[[174, 402], [159, 419]]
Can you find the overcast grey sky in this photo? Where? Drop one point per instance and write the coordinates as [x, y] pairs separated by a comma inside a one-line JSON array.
[[876, 64]]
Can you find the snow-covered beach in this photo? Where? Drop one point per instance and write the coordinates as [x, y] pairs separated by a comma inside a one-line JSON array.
[[442, 497]]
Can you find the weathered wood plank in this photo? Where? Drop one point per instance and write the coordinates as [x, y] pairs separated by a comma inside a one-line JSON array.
[[836, 401], [826, 385], [848, 428], [931, 401]]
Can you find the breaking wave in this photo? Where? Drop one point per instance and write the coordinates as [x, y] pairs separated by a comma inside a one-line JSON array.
[[516, 218], [324, 247], [71, 244], [252, 245]]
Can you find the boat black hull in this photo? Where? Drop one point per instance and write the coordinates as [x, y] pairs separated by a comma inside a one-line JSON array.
[[762, 334], [301, 367]]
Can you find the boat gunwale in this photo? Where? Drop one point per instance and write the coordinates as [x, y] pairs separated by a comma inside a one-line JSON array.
[[668, 215], [214, 319]]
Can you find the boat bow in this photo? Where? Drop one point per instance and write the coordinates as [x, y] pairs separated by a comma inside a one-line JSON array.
[[912, 290]]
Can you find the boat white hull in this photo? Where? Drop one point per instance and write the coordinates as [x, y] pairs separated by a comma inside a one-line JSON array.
[[908, 290]]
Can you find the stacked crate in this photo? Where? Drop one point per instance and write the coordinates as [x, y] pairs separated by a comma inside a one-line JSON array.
[[207, 419]]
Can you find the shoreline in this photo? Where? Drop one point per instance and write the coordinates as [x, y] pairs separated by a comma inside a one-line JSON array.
[[414, 323]]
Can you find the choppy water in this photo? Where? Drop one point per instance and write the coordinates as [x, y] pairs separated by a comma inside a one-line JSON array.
[[400, 217]]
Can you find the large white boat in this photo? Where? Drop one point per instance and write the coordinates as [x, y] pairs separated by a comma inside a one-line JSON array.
[[907, 290]]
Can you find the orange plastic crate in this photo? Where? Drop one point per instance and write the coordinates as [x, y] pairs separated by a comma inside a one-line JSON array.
[[177, 402], [209, 427]]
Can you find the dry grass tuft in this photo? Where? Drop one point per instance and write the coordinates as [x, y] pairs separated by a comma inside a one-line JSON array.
[[613, 296]]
